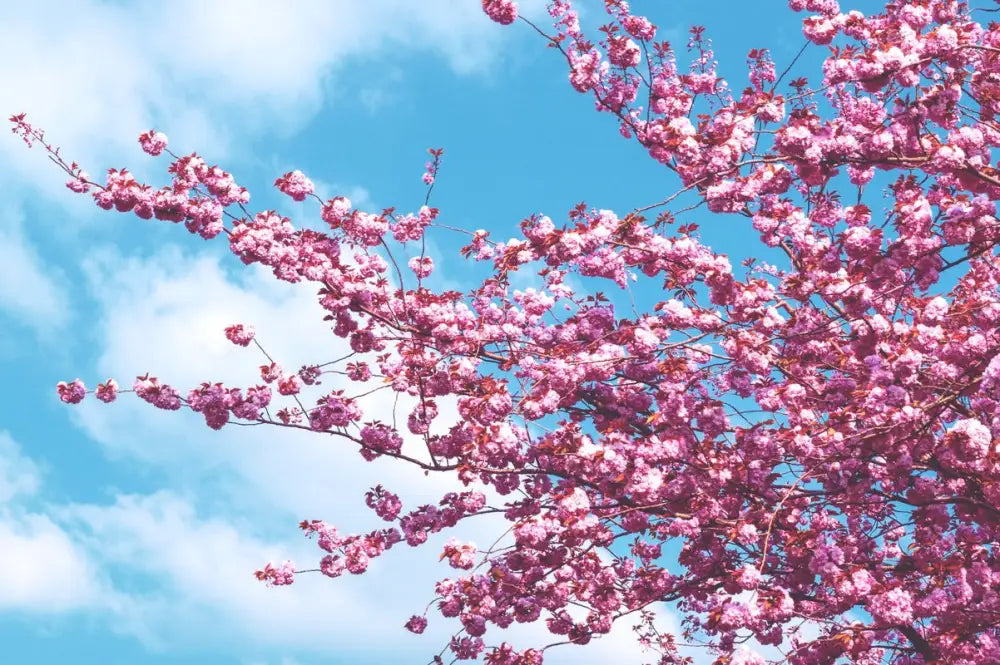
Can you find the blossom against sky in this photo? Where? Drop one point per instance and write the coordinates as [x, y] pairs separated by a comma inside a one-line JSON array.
[[128, 535]]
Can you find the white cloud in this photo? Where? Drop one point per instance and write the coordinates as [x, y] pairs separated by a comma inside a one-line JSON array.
[[19, 475], [41, 568], [30, 291], [195, 578], [99, 73]]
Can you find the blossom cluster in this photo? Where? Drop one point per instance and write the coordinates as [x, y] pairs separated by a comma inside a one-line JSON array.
[[817, 440]]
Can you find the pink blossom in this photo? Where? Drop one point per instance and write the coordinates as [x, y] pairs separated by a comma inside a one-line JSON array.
[[271, 373], [973, 439], [309, 374], [810, 437], [623, 52], [153, 142], [819, 29], [277, 576], [639, 27], [158, 394], [381, 438], [459, 555], [71, 393], [295, 184], [746, 656], [587, 68], [385, 504], [108, 391], [332, 411], [239, 334], [411, 227], [503, 12], [422, 266], [332, 566], [356, 559], [748, 577], [416, 624], [80, 183], [289, 384], [892, 608]]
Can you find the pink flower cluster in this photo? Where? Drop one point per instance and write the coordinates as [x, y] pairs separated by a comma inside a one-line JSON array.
[[431, 167], [198, 196], [160, 395], [282, 575], [73, 392], [239, 334], [295, 184], [350, 553], [814, 437], [333, 411], [216, 402], [503, 12], [385, 504], [153, 142]]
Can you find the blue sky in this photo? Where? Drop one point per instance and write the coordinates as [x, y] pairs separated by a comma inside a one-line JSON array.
[[130, 536]]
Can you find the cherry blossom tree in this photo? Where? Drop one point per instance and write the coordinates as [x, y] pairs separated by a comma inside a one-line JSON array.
[[816, 439]]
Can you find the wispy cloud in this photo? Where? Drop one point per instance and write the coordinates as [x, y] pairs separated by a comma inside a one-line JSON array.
[[42, 570], [31, 293], [97, 73], [19, 475]]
